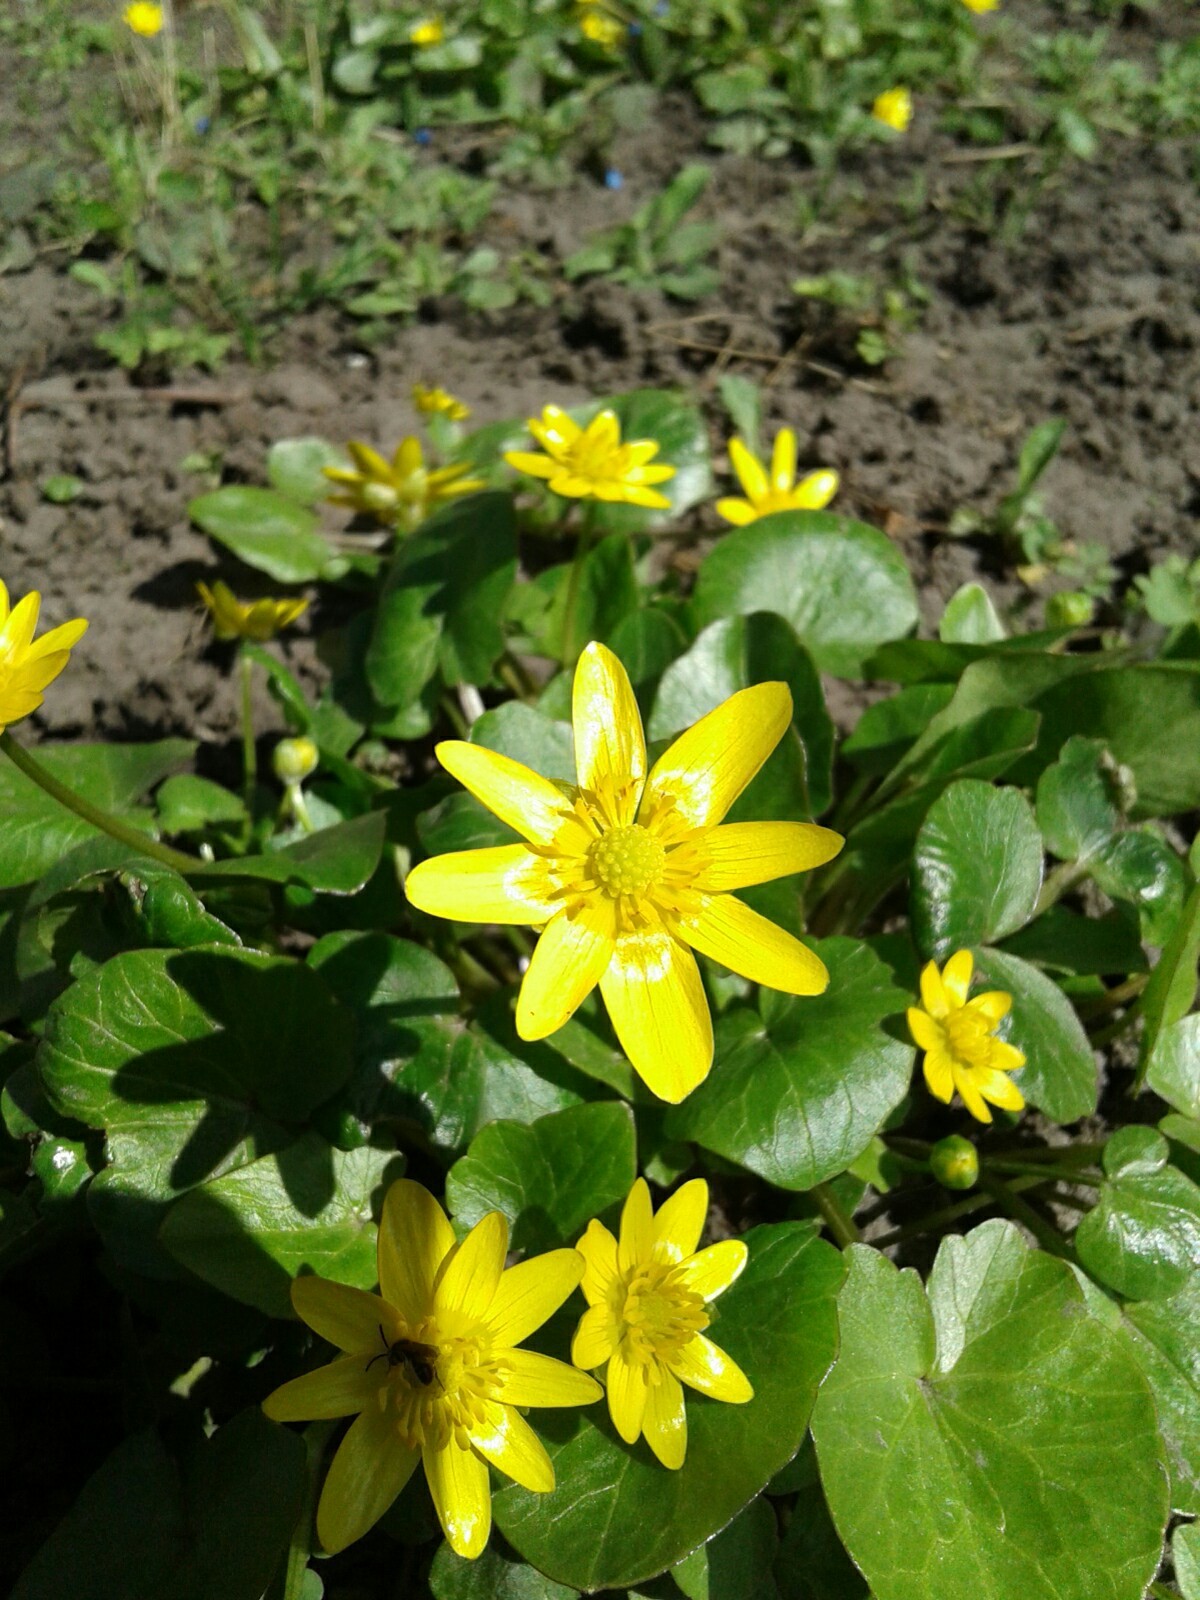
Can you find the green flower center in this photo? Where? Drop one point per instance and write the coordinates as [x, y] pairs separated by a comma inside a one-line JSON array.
[[968, 1034], [379, 496], [627, 860], [660, 1315]]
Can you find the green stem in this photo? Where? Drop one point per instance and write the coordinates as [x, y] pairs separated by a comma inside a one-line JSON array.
[[249, 752], [1059, 880], [938, 1219], [1161, 1591], [1049, 1172], [113, 826], [839, 1224], [1006, 1196]]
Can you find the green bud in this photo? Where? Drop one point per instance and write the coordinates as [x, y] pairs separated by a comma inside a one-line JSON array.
[[294, 760], [954, 1162], [1070, 609]]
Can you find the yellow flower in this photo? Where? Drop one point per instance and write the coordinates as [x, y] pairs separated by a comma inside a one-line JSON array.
[[403, 490], [600, 28], [779, 492], [427, 33], [894, 107], [591, 463], [980, 6], [259, 620], [27, 668], [627, 874], [647, 1313], [958, 1038], [429, 1366], [143, 18], [437, 402]]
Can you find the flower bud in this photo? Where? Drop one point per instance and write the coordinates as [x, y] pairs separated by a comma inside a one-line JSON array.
[[1070, 609], [295, 760], [954, 1162]]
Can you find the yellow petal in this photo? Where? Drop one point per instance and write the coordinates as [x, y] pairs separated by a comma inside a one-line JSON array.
[[531, 1292], [680, 1221], [470, 1275], [704, 1365], [739, 854], [749, 469], [368, 1472], [927, 1035], [965, 1083], [1006, 1057], [507, 883], [783, 461], [626, 1396], [665, 1421], [956, 976], [939, 1076], [462, 1497], [65, 637], [711, 1271], [728, 931], [739, 512], [19, 628], [341, 1389], [555, 429], [707, 767], [369, 462], [348, 1318], [815, 491], [637, 1227], [603, 433], [994, 1005], [999, 1088], [408, 458], [656, 1002], [415, 1237], [599, 1251], [595, 1338], [933, 995], [535, 1380], [5, 604], [609, 743], [527, 461], [504, 1438], [566, 965], [526, 801], [635, 495]]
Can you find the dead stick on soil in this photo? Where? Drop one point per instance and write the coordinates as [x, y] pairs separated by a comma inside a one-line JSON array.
[[997, 152]]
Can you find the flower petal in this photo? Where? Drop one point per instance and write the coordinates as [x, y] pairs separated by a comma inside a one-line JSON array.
[[710, 1271], [515, 793], [506, 883], [462, 1496], [680, 1221], [536, 1380], [783, 461], [704, 1365], [739, 854], [739, 512], [415, 1237], [368, 1472], [348, 1318], [595, 1337], [567, 963], [749, 469], [18, 630], [1006, 1057], [933, 994], [994, 1005], [665, 1421], [531, 1292], [728, 931], [956, 976], [506, 1440], [637, 1227], [368, 461], [599, 1251], [65, 637], [470, 1275], [657, 1006], [999, 1088], [707, 767], [341, 1389], [927, 1035], [939, 1075], [609, 743], [526, 461], [966, 1084], [814, 492], [626, 1396]]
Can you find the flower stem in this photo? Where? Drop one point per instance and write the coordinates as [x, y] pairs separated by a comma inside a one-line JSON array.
[[947, 1214], [1006, 1196], [249, 751], [122, 832], [839, 1224]]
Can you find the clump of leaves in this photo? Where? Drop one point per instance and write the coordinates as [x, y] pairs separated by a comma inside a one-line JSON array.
[[656, 248]]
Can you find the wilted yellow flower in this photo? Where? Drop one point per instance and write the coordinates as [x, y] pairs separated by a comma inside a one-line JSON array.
[[259, 620], [894, 107], [980, 6], [647, 1313], [780, 491], [144, 18], [427, 33], [626, 874], [958, 1038], [26, 667], [403, 490], [591, 463], [431, 1368], [437, 402], [600, 28]]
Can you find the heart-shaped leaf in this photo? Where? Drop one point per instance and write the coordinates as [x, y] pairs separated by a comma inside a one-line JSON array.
[[977, 868]]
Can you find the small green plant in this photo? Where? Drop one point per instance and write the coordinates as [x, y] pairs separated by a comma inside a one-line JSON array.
[[880, 314], [656, 248]]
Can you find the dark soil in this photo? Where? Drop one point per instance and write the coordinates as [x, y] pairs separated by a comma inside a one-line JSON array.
[[1092, 314]]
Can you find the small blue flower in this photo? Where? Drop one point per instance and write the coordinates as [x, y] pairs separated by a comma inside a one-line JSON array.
[[422, 136], [202, 125], [614, 179]]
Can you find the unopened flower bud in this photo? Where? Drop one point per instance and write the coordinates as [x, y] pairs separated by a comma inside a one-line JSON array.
[[954, 1162], [1070, 609], [295, 760]]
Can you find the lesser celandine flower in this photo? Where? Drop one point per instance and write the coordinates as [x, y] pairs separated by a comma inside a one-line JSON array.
[[980, 6], [439, 403], [958, 1038], [430, 1366], [143, 18], [646, 1316], [27, 666], [895, 108], [591, 463], [627, 873], [600, 28], [779, 491], [426, 33], [402, 490], [259, 620]]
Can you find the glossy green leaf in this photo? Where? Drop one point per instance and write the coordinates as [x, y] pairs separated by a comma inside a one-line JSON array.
[[737, 1563], [777, 1322], [801, 1086], [294, 467], [977, 868], [492, 1576], [842, 585], [682, 434], [1166, 1341], [812, 1563], [1078, 801], [970, 617], [1062, 940], [1140, 868], [307, 1208], [1185, 1551], [266, 530], [336, 860], [991, 1439], [549, 1177], [529, 736], [887, 728], [187, 804], [1171, 992], [1173, 1070], [1143, 1236], [1059, 1075]]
